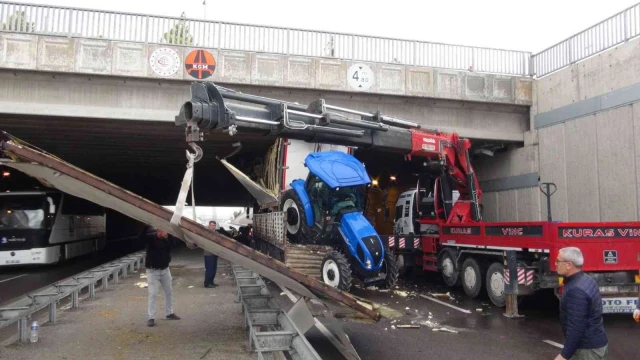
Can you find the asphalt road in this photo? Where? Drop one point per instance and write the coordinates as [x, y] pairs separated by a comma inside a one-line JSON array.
[[485, 334], [17, 281]]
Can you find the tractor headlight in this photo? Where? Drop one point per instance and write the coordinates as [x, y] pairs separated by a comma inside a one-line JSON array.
[[368, 264]]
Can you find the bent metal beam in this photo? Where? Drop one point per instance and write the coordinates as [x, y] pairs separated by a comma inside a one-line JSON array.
[[57, 173]]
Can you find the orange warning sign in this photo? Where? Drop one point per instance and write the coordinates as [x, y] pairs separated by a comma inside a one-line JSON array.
[[200, 64]]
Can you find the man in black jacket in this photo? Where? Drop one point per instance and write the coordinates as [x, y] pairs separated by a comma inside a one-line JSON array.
[[580, 310], [157, 263]]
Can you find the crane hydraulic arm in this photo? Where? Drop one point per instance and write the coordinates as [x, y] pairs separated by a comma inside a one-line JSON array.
[[216, 108]]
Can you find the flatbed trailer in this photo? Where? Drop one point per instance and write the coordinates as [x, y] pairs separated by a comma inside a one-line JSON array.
[[472, 255]]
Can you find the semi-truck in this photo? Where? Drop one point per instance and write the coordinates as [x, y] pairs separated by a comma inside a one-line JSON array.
[[440, 227]]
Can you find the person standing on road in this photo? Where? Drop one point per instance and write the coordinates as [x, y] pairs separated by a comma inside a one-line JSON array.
[[158, 273], [210, 263], [580, 310]]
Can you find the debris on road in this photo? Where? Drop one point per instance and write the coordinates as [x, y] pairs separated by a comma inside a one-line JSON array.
[[408, 326], [442, 296], [143, 276], [142, 285], [372, 288], [401, 293], [190, 286], [393, 327], [445, 330], [479, 309]]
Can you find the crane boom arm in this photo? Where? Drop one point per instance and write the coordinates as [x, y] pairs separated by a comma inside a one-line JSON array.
[[213, 107]]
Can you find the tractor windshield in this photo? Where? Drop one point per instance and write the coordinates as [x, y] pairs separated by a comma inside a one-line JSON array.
[[351, 198]]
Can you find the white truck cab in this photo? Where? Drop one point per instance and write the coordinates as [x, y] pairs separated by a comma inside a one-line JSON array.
[[407, 212]]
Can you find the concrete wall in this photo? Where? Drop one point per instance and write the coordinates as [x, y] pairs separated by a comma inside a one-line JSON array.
[[587, 118], [114, 58], [509, 184]]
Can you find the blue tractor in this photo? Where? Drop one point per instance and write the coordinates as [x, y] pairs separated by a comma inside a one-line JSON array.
[[328, 209]]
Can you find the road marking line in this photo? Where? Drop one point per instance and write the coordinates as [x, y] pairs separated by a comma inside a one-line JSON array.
[[553, 343], [15, 277], [445, 304]]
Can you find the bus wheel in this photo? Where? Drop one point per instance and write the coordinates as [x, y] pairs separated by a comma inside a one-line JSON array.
[[472, 277], [450, 273], [495, 284]]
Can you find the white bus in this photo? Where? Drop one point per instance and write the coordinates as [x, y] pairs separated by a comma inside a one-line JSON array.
[[47, 227]]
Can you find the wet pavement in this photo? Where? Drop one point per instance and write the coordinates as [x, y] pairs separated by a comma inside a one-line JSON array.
[[483, 332]]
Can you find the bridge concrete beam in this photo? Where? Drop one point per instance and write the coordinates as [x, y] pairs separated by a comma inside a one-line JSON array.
[[134, 60], [115, 98]]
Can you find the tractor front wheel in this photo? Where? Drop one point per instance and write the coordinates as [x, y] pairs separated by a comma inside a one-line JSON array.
[[336, 270], [390, 268]]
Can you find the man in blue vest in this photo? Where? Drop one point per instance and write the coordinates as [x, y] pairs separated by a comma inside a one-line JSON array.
[[580, 310]]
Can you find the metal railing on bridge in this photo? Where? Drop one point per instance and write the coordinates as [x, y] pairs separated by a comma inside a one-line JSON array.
[[608, 33], [93, 24], [181, 31]]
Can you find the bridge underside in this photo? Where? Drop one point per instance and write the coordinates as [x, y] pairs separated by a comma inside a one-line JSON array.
[[145, 157], [122, 129], [148, 157]]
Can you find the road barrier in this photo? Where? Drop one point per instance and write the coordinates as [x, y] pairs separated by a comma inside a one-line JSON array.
[[21, 309]]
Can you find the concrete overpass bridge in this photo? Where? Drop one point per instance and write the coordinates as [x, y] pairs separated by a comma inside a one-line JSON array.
[[101, 89]]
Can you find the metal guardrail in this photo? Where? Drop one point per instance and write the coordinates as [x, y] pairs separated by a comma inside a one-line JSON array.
[[180, 31], [608, 33], [270, 330], [20, 310], [94, 24]]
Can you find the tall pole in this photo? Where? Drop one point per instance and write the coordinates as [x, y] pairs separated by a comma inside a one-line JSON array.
[[204, 4]]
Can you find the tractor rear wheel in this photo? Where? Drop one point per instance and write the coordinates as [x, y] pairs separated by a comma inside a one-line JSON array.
[[296, 219], [336, 270]]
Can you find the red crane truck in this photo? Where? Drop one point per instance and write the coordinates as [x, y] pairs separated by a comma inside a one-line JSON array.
[[439, 225]]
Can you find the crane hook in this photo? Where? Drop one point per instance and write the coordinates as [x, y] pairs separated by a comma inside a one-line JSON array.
[[197, 151]]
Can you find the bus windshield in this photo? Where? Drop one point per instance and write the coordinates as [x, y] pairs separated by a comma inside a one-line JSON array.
[[21, 212]]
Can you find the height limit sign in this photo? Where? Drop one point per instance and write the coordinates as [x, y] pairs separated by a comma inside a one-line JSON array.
[[360, 77]]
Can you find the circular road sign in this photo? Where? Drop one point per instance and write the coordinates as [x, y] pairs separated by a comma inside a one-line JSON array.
[[165, 62], [200, 64], [360, 77]]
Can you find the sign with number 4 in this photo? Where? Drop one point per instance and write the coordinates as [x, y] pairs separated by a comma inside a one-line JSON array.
[[360, 77]]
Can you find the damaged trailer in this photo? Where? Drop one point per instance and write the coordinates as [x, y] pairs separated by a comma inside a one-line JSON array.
[[56, 173]]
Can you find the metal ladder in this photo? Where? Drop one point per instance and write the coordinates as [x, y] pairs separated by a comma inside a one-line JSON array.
[[270, 330]]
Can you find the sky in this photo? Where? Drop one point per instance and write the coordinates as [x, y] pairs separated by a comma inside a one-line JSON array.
[[506, 24]]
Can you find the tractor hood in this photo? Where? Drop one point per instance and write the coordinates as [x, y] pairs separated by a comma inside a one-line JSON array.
[[337, 169], [362, 239]]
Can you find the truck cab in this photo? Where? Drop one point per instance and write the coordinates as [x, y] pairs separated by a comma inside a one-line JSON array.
[[411, 206]]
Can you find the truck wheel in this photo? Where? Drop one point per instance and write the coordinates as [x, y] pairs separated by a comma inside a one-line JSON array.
[[495, 284], [403, 269], [390, 267], [472, 277], [294, 213], [448, 267], [336, 270]]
